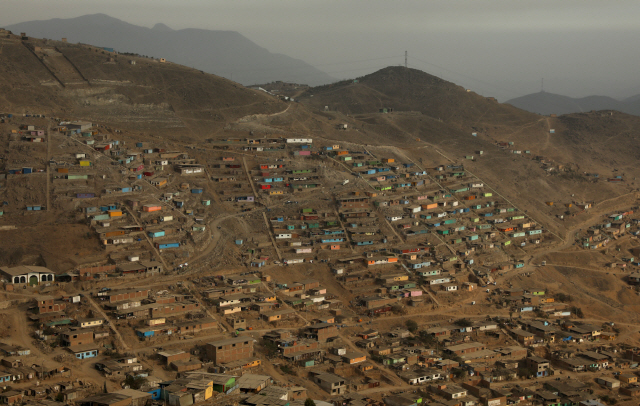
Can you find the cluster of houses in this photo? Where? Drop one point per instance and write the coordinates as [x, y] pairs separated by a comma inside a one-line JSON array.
[[614, 226]]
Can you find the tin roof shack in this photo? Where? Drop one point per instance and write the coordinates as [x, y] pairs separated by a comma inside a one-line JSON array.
[[231, 349], [610, 383], [248, 383], [331, 383], [106, 399], [138, 398]]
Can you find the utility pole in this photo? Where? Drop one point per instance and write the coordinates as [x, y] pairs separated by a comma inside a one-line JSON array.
[[541, 85], [405, 59]]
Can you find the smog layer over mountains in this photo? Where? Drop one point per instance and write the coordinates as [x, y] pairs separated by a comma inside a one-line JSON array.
[[224, 53], [549, 103]]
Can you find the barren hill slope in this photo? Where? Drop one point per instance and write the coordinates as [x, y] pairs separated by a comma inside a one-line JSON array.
[[56, 78], [443, 116]]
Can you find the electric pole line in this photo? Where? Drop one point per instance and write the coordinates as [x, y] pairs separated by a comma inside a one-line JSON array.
[[405, 59]]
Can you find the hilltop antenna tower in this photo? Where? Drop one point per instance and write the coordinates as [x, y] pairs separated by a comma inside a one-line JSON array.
[[541, 85], [405, 59]]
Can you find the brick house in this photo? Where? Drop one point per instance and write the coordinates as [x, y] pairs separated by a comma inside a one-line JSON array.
[[231, 349], [77, 336]]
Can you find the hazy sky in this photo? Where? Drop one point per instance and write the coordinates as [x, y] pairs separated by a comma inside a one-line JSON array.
[[496, 47]]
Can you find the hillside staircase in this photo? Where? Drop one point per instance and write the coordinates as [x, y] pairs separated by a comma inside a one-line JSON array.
[[62, 69]]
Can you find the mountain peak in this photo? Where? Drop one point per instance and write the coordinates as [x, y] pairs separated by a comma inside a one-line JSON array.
[[161, 27]]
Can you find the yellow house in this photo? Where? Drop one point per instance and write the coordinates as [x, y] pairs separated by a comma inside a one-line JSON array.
[[202, 384], [115, 213], [398, 278], [255, 362], [85, 163], [628, 378], [276, 192], [354, 358]]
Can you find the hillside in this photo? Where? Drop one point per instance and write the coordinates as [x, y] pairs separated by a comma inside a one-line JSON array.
[[443, 117], [56, 78], [224, 53], [549, 103]]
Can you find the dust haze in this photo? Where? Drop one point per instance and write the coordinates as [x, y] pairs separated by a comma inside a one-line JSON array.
[[499, 48]]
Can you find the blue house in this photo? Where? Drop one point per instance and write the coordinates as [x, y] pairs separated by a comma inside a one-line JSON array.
[[365, 242], [333, 232], [325, 240], [86, 354], [145, 333], [155, 393]]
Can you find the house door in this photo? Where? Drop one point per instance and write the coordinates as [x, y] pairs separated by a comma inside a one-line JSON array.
[[33, 280]]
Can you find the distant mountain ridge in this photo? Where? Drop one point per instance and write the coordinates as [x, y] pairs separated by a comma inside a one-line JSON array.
[[551, 103], [223, 53]]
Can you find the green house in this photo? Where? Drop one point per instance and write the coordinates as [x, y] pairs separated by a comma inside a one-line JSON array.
[[222, 383], [253, 280], [394, 359]]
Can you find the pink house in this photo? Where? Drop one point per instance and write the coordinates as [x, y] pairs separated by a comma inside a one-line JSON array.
[[415, 292]]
